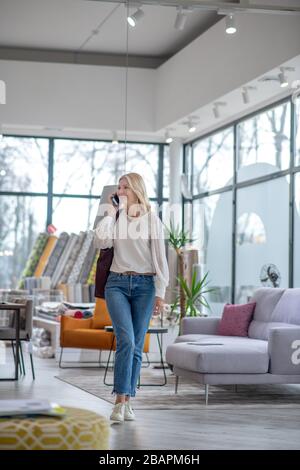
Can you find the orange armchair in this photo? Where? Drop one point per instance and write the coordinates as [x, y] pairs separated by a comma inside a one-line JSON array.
[[90, 333]]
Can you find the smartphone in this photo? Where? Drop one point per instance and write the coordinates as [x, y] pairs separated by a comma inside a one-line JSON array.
[[115, 199]]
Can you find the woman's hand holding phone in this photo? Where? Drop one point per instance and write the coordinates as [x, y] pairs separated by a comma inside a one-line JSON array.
[[110, 208], [115, 199], [118, 202]]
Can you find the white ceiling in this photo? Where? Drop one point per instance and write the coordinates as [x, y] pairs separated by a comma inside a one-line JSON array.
[[65, 25], [68, 25]]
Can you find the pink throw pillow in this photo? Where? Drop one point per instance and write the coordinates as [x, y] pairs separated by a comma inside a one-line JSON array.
[[236, 319]]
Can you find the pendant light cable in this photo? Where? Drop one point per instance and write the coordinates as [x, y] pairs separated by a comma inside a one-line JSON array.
[[126, 89], [94, 33]]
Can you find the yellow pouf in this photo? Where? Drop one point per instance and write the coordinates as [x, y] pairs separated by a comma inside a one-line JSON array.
[[77, 430]]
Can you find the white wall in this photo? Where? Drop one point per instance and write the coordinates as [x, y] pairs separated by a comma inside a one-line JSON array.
[[80, 96]]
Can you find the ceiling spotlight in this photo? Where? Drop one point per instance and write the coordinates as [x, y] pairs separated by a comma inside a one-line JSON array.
[[191, 123], [168, 137], [216, 107], [181, 18], [135, 17], [191, 126], [230, 24], [282, 79], [245, 93], [216, 112], [115, 138]]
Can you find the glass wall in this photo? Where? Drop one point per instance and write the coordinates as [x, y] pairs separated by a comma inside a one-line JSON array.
[[84, 167], [24, 164], [21, 219], [297, 132], [264, 143], [212, 218], [297, 199], [253, 157], [297, 232], [213, 161], [30, 198], [66, 219], [188, 217], [188, 170], [262, 227]]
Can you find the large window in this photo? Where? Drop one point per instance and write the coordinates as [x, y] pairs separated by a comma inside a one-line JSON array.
[[213, 161], [256, 161], [188, 171], [21, 220], [84, 167], [212, 234], [73, 214], [297, 232], [262, 227], [297, 199], [30, 198], [24, 164], [264, 143]]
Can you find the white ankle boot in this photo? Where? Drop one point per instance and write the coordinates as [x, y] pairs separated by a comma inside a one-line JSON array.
[[129, 414], [118, 412]]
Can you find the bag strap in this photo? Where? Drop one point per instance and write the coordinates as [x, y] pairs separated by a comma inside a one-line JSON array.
[[150, 228]]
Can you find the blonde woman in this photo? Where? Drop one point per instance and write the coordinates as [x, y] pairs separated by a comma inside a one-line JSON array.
[[136, 284]]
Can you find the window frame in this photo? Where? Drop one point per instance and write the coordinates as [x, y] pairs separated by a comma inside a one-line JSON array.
[[291, 171]]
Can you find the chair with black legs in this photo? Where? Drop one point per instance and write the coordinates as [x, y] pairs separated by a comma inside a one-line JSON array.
[[8, 334]]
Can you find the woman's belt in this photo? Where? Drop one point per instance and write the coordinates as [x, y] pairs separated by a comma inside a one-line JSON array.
[[134, 273]]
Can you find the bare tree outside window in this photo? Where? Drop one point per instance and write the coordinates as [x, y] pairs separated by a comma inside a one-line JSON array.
[[23, 168], [81, 169], [265, 138], [213, 161]]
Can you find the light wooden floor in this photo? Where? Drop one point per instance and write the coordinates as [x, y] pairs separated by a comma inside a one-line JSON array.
[[271, 428]]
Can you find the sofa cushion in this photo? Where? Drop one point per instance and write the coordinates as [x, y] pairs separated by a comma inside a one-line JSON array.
[[220, 355], [236, 319], [275, 308], [194, 337]]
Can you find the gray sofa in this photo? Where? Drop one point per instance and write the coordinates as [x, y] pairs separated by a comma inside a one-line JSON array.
[[270, 353]]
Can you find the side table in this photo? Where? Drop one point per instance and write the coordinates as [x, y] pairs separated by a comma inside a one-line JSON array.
[[151, 330]]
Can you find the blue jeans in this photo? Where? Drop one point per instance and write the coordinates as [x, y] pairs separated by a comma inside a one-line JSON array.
[[130, 302]]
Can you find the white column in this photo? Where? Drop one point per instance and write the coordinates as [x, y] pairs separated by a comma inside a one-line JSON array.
[[176, 156]]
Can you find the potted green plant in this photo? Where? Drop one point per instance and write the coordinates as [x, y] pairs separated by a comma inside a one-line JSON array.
[[195, 296], [178, 238], [191, 297]]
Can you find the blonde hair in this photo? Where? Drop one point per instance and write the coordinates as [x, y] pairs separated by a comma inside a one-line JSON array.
[[137, 185]]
